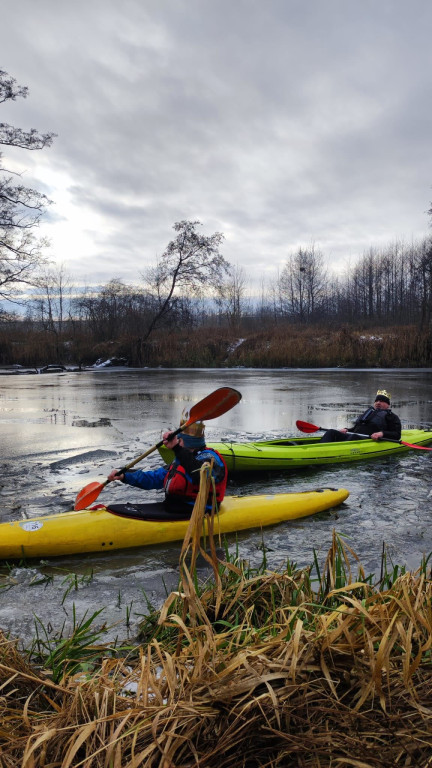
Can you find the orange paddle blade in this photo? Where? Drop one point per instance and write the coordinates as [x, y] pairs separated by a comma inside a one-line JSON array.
[[412, 445], [216, 404], [88, 495], [304, 426]]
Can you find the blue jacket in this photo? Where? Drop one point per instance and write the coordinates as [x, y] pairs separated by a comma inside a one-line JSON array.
[[151, 480]]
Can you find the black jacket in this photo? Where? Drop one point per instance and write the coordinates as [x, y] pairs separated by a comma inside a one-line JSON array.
[[378, 421]]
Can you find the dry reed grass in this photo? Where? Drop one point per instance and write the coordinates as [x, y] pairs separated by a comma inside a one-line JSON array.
[[284, 344], [255, 671], [293, 345]]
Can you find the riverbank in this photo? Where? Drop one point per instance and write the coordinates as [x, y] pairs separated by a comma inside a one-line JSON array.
[[304, 668], [259, 670], [278, 346]]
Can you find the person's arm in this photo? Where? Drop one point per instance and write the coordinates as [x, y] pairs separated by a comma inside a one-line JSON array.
[[394, 427], [151, 480]]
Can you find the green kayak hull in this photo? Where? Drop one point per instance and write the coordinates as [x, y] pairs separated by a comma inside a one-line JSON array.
[[296, 452]]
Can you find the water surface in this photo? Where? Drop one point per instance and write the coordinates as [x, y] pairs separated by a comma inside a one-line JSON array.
[[61, 431]]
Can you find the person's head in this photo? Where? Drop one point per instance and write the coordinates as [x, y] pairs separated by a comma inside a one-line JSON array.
[[192, 436], [382, 400]]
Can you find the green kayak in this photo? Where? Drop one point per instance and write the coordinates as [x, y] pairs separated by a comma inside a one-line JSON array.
[[306, 451]]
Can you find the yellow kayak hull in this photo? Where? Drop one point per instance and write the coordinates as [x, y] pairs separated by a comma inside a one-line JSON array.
[[99, 530]]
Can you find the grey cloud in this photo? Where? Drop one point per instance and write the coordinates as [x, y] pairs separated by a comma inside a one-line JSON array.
[[278, 123]]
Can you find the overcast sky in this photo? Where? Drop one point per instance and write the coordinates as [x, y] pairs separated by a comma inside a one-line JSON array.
[[279, 123]]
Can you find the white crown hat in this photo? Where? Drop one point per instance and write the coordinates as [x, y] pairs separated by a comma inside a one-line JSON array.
[[196, 429]]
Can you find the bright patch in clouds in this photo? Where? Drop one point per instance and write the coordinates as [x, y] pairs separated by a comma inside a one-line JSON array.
[[279, 124]]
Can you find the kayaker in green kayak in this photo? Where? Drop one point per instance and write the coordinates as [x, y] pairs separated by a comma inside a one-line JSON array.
[[377, 422], [182, 478]]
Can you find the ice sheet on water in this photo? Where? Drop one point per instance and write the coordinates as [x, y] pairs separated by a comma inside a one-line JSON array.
[[71, 461]]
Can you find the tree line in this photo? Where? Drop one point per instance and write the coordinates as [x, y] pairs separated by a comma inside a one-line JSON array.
[[191, 286]]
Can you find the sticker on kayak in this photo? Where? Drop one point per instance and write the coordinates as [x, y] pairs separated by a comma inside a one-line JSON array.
[[31, 525]]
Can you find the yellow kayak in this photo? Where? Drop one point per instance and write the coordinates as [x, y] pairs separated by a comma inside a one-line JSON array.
[[120, 526]]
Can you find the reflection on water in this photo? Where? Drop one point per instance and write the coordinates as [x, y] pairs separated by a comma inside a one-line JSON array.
[[59, 435]]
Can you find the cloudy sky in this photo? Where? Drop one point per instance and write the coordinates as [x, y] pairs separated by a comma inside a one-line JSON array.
[[279, 123]]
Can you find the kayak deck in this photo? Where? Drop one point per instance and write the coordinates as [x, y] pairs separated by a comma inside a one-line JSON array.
[[295, 452], [100, 530]]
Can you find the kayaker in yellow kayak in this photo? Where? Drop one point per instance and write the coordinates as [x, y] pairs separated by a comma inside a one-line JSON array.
[[182, 478], [377, 422]]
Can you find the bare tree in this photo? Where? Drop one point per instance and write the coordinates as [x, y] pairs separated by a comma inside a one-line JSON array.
[[230, 296], [52, 298], [20, 206], [191, 264], [423, 273], [114, 310], [302, 284]]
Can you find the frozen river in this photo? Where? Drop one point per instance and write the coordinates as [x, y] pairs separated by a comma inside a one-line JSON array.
[[61, 431]]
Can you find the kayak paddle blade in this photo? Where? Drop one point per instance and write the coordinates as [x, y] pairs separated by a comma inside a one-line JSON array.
[[216, 404], [304, 426], [412, 445], [88, 495]]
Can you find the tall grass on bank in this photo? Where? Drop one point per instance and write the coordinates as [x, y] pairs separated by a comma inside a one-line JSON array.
[[297, 669], [284, 344], [317, 347]]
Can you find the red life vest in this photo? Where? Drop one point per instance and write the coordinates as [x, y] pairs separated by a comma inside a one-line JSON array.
[[178, 483]]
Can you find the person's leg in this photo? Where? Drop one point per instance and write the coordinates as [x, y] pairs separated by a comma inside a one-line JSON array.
[[333, 436], [175, 505]]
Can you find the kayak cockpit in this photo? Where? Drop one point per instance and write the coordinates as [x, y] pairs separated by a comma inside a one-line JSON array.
[[154, 511]]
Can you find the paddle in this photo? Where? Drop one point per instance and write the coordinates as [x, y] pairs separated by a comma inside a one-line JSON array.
[[304, 426], [216, 404]]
